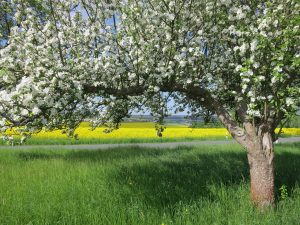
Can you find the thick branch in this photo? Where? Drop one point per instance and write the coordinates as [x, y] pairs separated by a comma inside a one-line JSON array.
[[204, 97], [20, 123], [201, 95]]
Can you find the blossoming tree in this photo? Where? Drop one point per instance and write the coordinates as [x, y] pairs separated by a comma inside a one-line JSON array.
[[101, 59]]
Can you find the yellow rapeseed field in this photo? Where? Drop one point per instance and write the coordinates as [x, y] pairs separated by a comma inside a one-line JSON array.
[[146, 130], [130, 133], [290, 131]]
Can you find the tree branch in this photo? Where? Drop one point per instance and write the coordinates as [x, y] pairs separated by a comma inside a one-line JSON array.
[[204, 97]]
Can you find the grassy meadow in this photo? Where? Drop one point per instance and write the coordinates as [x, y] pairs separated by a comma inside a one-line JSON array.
[[187, 185], [134, 132]]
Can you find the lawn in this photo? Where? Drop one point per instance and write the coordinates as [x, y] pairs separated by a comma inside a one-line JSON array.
[[187, 185], [137, 132]]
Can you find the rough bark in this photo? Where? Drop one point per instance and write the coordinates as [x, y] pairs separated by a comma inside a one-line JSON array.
[[260, 158]]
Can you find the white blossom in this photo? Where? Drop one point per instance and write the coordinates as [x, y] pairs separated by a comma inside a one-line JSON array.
[[253, 45], [156, 89], [2, 122], [256, 65], [36, 110], [240, 14], [24, 112], [189, 81], [289, 101], [243, 49]]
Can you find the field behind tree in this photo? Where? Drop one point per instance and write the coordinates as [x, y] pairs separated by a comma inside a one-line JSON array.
[[135, 132], [187, 185]]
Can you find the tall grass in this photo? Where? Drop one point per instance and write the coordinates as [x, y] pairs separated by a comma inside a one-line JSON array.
[[199, 185], [73, 141]]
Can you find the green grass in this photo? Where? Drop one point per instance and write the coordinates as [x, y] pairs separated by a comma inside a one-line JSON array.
[[72, 141], [199, 185]]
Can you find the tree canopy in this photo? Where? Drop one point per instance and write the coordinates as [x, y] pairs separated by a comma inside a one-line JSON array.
[[99, 59], [94, 59]]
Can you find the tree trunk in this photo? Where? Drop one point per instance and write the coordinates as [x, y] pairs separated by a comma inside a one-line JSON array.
[[260, 158]]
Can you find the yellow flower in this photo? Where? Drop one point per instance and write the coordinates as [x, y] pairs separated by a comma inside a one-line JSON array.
[[139, 132], [145, 130]]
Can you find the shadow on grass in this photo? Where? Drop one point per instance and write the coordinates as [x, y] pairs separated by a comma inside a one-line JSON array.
[[123, 153], [287, 168], [168, 181], [166, 177], [32, 155], [108, 155]]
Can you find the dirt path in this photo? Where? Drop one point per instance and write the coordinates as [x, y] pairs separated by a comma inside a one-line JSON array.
[[147, 145]]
